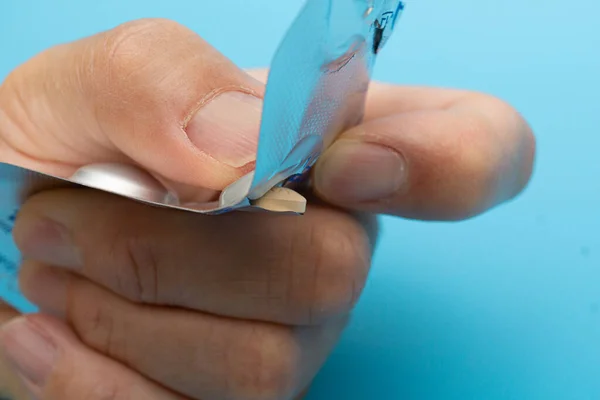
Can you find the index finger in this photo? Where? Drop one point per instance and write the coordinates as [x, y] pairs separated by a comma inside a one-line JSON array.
[[385, 99]]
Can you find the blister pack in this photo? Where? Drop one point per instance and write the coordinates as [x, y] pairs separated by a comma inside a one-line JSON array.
[[316, 89]]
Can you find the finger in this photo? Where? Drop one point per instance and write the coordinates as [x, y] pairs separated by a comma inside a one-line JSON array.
[[149, 92], [6, 312], [385, 99], [200, 355], [10, 386], [447, 163], [427, 153], [54, 365], [263, 267]]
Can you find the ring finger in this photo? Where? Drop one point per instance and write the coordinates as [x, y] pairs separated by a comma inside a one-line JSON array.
[[202, 356]]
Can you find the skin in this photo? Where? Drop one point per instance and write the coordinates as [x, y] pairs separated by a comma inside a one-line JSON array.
[[243, 306], [10, 386]]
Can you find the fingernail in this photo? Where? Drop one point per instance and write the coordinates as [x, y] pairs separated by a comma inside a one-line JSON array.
[[227, 127], [50, 242], [30, 351], [357, 172]]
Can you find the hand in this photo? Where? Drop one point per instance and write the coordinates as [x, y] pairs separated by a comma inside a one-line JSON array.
[[10, 387], [147, 303]]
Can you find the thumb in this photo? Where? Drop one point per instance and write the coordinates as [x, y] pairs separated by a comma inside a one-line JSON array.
[[149, 92], [448, 162]]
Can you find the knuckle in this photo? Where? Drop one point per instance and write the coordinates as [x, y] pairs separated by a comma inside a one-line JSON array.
[[95, 322], [341, 269], [130, 40], [131, 249], [141, 62], [266, 366], [136, 275], [136, 55], [339, 261]]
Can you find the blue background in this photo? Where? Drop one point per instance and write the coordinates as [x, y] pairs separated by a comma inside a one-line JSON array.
[[505, 306]]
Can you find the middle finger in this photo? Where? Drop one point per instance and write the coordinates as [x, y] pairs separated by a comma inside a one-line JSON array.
[[282, 269]]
